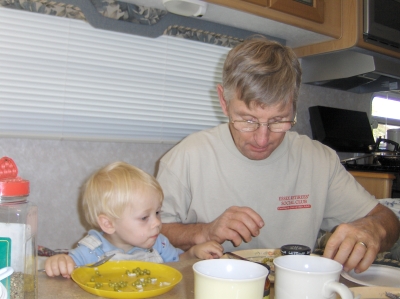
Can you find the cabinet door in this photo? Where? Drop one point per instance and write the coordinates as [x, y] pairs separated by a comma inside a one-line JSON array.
[[376, 183], [332, 15], [258, 2], [312, 10]]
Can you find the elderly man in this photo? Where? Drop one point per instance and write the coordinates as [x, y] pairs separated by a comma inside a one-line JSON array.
[[252, 183]]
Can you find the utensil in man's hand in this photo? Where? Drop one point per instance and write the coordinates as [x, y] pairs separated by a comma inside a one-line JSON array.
[[244, 259], [96, 264]]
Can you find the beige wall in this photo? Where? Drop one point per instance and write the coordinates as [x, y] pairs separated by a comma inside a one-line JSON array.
[[56, 169]]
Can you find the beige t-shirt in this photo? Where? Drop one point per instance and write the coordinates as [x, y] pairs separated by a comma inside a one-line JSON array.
[[299, 189]]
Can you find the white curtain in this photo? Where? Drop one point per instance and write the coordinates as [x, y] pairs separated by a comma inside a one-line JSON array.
[[61, 78]]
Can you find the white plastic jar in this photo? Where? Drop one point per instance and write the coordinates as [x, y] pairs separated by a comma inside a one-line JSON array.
[[18, 233]]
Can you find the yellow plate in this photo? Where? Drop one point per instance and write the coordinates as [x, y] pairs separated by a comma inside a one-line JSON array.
[[373, 292], [257, 255], [115, 271]]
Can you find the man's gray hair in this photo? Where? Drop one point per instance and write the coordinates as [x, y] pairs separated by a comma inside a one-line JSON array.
[[263, 72]]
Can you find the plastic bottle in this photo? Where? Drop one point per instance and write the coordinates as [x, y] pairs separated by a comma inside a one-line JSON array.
[[18, 233], [295, 249]]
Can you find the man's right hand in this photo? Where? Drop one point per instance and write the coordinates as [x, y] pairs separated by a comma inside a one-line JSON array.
[[236, 224]]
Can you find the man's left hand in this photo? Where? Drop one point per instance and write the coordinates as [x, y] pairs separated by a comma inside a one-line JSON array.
[[356, 244]]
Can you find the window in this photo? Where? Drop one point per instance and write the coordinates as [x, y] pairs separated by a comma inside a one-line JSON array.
[[61, 78], [385, 113]]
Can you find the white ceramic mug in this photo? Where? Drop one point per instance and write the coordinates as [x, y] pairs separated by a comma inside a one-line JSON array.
[[308, 277], [4, 273], [229, 278]]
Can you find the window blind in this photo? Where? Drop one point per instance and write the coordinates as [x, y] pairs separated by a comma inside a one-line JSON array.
[[61, 78]]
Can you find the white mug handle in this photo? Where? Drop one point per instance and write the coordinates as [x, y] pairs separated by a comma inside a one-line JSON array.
[[5, 272], [334, 286]]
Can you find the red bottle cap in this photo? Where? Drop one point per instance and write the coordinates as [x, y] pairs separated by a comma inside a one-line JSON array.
[[10, 184], [8, 168]]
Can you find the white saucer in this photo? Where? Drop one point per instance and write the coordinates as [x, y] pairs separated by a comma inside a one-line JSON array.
[[376, 275], [373, 292]]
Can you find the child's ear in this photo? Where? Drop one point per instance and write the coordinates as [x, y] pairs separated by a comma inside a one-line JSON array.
[[106, 224]]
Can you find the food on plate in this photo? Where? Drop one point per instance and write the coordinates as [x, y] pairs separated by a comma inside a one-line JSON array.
[[265, 256], [132, 280], [269, 261]]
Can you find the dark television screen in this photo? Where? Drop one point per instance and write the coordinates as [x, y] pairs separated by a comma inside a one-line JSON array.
[[342, 130]]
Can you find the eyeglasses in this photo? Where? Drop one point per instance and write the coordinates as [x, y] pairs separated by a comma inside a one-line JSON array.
[[251, 126]]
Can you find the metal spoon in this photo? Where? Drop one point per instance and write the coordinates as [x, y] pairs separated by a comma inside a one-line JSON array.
[[242, 258], [101, 262], [96, 264]]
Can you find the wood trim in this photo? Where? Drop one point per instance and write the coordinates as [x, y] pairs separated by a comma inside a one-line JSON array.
[[332, 20], [375, 175], [348, 36], [258, 2], [313, 13]]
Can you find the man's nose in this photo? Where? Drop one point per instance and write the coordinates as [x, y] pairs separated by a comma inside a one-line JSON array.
[[261, 136]]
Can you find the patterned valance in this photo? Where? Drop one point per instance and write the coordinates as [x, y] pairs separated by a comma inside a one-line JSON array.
[[202, 36], [46, 7], [130, 13]]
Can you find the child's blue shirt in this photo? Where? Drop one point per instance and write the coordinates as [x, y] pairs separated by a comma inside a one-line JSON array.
[[94, 246]]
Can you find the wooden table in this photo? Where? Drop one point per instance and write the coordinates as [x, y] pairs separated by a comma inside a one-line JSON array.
[[61, 288]]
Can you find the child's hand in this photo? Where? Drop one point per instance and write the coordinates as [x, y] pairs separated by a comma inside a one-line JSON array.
[[208, 250], [59, 264], [205, 251]]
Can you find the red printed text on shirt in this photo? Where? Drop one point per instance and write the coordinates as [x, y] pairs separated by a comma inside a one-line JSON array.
[[293, 202]]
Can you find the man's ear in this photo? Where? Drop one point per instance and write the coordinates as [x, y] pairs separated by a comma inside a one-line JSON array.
[[106, 224], [222, 101]]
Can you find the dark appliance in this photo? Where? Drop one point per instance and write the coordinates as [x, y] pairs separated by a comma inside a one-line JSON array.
[[349, 131], [342, 130], [356, 69], [379, 160], [382, 23]]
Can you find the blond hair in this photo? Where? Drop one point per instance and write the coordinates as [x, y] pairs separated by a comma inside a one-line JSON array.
[[261, 71], [111, 189]]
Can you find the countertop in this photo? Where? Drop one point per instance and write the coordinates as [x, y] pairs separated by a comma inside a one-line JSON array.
[[62, 288]]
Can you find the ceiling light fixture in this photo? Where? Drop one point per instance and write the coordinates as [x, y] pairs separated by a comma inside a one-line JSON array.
[[187, 8]]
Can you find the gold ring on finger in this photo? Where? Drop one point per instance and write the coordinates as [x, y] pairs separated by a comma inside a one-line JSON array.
[[363, 244]]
